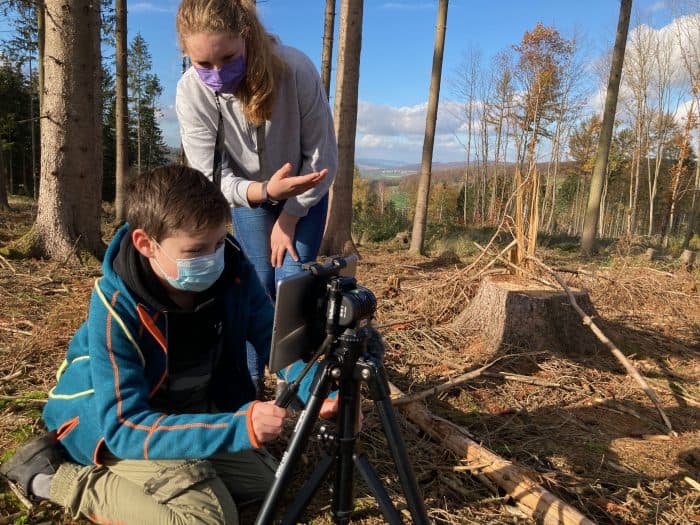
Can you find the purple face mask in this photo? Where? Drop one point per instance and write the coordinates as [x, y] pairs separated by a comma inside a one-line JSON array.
[[226, 79]]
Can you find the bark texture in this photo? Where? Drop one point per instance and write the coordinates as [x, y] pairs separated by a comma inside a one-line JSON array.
[[327, 53], [513, 312], [68, 218], [121, 110], [337, 239], [420, 219], [590, 225]]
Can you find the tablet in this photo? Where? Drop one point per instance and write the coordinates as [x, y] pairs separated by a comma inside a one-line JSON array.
[[299, 324]]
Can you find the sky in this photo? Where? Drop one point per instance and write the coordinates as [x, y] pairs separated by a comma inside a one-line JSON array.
[[397, 53]]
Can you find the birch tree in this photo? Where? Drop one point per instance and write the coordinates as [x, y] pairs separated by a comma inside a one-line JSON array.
[[637, 75]]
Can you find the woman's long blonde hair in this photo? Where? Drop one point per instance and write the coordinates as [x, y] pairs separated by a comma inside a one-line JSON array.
[[238, 17]]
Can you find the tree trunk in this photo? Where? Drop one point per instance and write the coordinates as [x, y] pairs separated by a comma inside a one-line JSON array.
[[590, 225], [676, 173], [41, 35], [338, 237], [423, 193], [121, 111], [692, 219], [327, 54], [4, 204], [68, 218], [32, 132]]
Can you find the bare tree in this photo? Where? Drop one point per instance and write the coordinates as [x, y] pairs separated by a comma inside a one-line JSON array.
[[590, 226], [468, 76], [637, 73], [4, 204], [121, 110], [327, 54], [68, 218], [662, 125], [677, 171], [338, 236], [423, 194], [688, 28]]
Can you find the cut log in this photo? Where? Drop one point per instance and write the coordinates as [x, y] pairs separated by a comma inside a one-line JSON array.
[[531, 497], [652, 254], [511, 311]]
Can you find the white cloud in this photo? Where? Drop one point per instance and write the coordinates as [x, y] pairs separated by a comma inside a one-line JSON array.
[[679, 33], [397, 133], [169, 125]]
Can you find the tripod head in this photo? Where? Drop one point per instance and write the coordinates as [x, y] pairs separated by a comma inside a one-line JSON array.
[[314, 307]]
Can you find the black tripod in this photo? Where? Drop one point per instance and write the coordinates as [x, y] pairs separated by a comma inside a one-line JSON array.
[[347, 365]]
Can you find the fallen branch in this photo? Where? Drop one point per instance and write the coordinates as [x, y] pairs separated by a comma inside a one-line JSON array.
[[447, 385], [631, 370], [18, 493], [690, 481], [483, 252], [519, 268], [15, 330], [13, 375], [508, 376], [531, 497], [498, 257], [20, 399], [7, 263]]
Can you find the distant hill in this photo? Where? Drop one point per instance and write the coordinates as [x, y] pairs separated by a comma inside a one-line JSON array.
[[381, 169]]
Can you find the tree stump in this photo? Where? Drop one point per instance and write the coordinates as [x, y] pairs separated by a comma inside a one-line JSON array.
[[688, 258], [514, 312]]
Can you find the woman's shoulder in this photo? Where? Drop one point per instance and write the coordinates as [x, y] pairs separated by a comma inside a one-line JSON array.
[[294, 58], [188, 81]]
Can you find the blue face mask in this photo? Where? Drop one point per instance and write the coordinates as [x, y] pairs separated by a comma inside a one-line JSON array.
[[226, 79], [195, 274]]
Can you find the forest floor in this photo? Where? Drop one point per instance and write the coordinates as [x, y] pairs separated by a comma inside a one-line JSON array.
[[577, 423]]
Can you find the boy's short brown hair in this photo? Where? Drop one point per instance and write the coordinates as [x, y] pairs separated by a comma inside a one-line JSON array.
[[174, 198]]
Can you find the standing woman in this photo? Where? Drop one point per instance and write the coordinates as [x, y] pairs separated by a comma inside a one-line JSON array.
[[254, 116]]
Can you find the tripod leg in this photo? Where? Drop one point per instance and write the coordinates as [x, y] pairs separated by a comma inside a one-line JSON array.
[[297, 444], [348, 414], [307, 491], [391, 515], [373, 373]]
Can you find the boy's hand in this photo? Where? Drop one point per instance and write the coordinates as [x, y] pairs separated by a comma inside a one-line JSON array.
[[267, 419], [281, 186], [282, 239], [329, 409]]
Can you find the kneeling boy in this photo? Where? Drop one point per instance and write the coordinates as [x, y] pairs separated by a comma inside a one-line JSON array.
[[154, 404]]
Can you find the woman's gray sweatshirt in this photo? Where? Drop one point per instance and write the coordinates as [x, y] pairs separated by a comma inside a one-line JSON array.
[[300, 132]]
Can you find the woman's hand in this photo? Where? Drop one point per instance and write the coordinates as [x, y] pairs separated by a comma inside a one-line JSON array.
[[267, 419], [282, 238], [281, 186]]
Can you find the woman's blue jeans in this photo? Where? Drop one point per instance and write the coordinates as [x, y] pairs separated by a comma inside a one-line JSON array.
[[252, 228]]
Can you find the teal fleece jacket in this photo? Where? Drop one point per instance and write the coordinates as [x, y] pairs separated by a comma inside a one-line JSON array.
[[117, 361]]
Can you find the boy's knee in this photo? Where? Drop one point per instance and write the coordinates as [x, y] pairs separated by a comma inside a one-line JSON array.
[[194, 493]]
